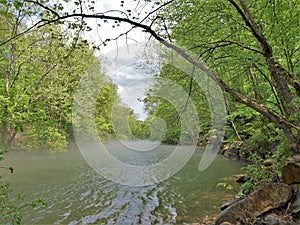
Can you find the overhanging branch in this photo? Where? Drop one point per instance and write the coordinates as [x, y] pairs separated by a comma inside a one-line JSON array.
[[273, 116]]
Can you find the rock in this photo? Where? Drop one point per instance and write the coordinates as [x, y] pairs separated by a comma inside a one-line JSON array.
[[291, 170], [227, 204], [244, 211], [240, 178], [295, 186], [272, 219], [268, 162], [276, 178], [291, 223], [226, 223], [295, 206], [281, 222], [233, 150]]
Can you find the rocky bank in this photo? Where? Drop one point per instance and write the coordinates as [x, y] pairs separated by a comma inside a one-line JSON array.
[[274, 204]]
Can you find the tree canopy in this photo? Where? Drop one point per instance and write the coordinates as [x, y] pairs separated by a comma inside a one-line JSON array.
[[40, 72], [250, 49]]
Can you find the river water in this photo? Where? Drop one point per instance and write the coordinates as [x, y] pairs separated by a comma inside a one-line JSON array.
[[76, 194]]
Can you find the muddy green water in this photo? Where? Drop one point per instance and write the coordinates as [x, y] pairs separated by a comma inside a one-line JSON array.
[[75, 194]]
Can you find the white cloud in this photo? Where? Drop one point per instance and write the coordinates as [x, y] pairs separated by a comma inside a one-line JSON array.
[[132, 85], [122, 54]]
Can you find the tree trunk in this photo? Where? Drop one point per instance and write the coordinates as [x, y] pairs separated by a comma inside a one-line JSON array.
[[282, 88], [293, 141], [281, 78], [4, 133]]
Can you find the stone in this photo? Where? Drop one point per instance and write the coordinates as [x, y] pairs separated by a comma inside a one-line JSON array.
[[295, 206], [272, 219], [233, 150], [270, 197], [227, 204], [291, 170], [295, 186], [240, 178], [291, 223], [226, 223], [268, 162]]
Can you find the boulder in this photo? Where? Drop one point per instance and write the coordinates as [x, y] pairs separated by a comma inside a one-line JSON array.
[[295, 206], [291, 170], [270, 197]]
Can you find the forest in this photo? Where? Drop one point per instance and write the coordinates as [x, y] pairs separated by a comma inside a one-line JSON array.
[[250, 49], [40, 74]]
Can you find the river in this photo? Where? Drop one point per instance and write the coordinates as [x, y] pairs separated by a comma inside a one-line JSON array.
[[76, 194]]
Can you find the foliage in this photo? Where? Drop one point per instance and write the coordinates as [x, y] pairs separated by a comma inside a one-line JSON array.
[[232, 51], [252, 48], [225, 185], [140, 129], [9, 212], [39, 89], [39, 75], [44, 136], [158, 107], [262, 170], [221, 37], [11, 207]]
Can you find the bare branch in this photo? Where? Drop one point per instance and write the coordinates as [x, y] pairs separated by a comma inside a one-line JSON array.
[[273, 116], [244, 46], [157, 9], [43, 6]]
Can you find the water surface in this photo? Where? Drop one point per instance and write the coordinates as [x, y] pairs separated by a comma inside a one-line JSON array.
[[76, 194]]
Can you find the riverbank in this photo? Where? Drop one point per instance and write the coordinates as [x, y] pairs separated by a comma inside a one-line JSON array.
[[274, 203]]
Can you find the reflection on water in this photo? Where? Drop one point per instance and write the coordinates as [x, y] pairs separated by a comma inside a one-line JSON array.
[[75, 194]]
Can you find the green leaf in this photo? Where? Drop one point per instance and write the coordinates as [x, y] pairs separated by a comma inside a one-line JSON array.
[[11, 169]]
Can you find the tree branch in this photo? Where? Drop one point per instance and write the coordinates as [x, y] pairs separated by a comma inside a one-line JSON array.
[[273, 116], [253, 27], [43, 6]]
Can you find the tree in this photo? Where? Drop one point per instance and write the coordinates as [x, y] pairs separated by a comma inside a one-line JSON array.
[[41, 71], [229, 18], [247, 49], [158, 107], [38, 89]]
